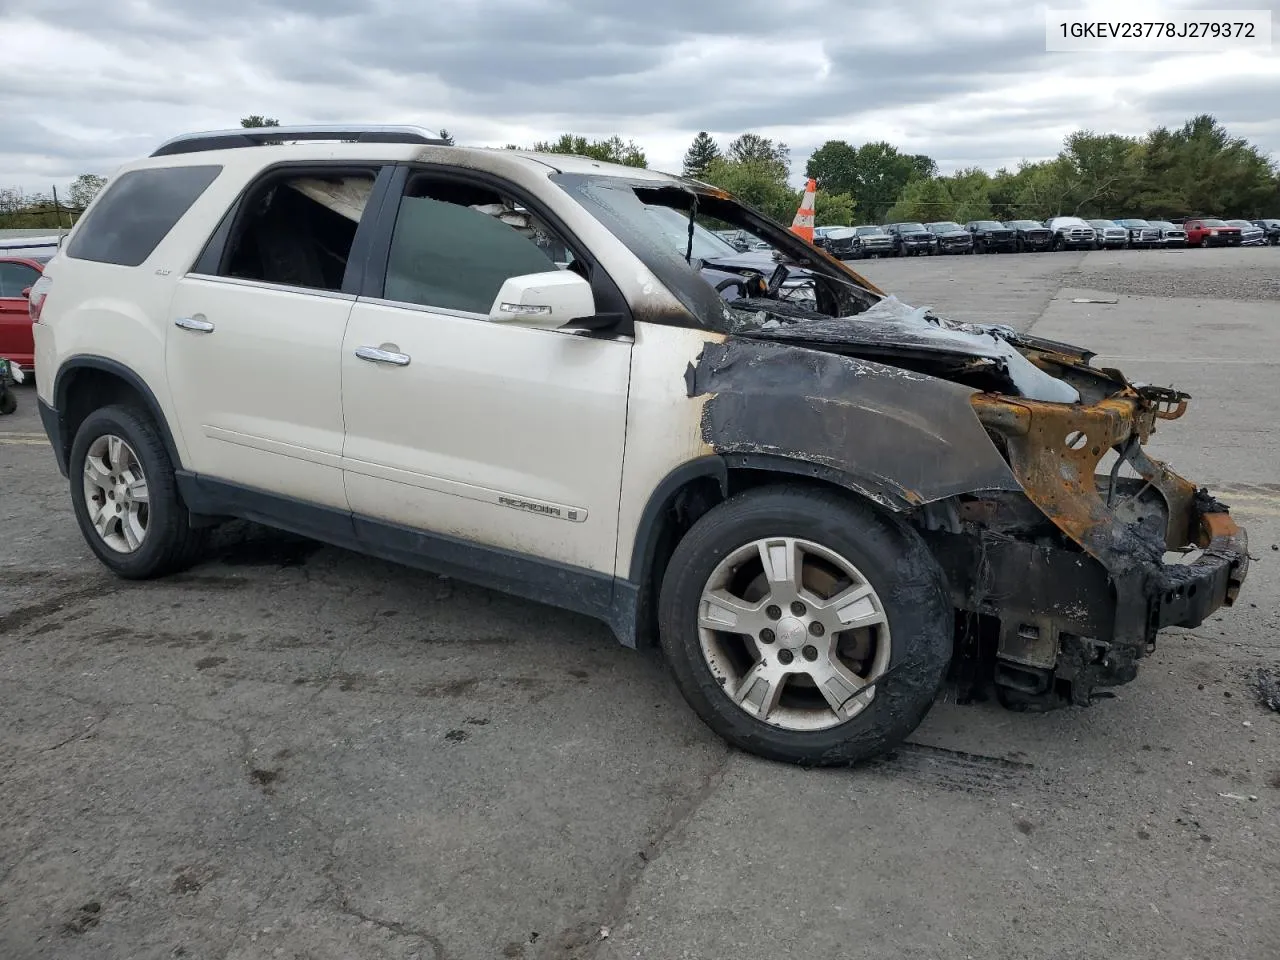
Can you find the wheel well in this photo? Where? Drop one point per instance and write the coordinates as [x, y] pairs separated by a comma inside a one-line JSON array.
[[685, 505], [81, 390]]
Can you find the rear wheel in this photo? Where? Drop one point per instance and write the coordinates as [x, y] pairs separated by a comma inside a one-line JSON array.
[[125, 496], [804, 626]]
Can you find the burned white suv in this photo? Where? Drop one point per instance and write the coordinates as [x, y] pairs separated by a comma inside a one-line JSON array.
[[538, 373]]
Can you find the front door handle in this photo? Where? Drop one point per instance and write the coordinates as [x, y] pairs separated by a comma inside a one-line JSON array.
[[379, 355], [197, 323]]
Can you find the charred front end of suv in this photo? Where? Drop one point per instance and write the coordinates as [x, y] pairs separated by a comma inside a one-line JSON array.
[[1050, 520], [1077, 610]]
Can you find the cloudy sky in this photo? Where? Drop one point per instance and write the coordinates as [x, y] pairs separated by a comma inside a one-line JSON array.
[[87, 84]]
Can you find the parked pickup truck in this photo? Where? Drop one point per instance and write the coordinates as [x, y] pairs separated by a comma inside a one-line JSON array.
[[1141, 233], [952, 238], [1171, 235], [1030, 235], [1071, 233], [1211, 232], [1107, 234]]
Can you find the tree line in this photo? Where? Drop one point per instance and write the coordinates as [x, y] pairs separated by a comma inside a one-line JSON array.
[[1196, 169]]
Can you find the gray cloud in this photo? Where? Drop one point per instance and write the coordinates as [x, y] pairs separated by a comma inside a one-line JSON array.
[[966, 81]]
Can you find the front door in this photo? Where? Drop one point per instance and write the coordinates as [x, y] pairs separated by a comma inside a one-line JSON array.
[[254, 344], [495, 434]]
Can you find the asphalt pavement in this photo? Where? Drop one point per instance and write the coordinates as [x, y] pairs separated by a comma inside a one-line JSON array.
[[293, 751]]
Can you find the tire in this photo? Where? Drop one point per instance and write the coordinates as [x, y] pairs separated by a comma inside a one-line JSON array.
[[910, 660], [168, 543], [8, 401], [1204, 243]]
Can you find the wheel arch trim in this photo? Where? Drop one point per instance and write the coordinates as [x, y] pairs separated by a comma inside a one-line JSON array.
[[719, 467], [65, 378]]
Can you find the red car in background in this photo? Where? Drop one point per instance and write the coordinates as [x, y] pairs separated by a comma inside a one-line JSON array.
[[21, 263], [1208, 232]]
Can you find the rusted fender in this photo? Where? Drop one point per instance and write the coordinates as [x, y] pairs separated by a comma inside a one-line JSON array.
[[1055, 449]]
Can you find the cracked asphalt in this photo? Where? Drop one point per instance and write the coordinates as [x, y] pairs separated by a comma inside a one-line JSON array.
[[293, 751]]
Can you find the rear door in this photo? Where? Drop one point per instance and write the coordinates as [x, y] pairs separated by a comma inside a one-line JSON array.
[[15, 322], [495, 434], [255, 333]]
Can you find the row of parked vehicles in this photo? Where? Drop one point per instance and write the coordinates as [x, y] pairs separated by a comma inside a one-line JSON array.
[[1056, 233]]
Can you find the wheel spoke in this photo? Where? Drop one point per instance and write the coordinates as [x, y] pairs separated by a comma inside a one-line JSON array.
[[851, 608], [115, 453], [783, 565], [96, 473], [721, 610], [132, 530], [760, 689], [137, 487], [837, 684], [102, 521]]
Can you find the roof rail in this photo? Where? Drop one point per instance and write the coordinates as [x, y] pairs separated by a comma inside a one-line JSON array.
[[256, 136]]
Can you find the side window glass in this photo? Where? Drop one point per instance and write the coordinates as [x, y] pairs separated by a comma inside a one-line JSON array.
[[455, 244], [136, 212], [16, 277], [298, 230]]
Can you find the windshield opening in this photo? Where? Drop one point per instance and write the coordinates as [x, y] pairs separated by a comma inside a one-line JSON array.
[[721, 281], [944, 227]]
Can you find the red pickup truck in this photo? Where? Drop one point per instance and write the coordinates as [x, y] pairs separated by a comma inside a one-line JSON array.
[[1211, 233]]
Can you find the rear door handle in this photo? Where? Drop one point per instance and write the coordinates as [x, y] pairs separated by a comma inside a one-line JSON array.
[[197, 323], [378, 355]]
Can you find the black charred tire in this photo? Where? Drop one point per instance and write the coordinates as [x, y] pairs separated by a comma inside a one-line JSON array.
[[895, 561], [8, 401], [170, 544]]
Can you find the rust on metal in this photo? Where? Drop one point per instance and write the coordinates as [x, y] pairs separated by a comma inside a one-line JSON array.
[[1054, 451], [1214, 525]]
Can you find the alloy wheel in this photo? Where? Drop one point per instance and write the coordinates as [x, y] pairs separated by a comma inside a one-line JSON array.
[[794, 633], [115, 493]]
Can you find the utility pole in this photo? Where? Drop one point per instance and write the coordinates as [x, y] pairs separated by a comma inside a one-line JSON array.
[[57, 211]]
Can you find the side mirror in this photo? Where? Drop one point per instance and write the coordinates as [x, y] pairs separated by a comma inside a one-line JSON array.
[[26, 293], [545, 300]]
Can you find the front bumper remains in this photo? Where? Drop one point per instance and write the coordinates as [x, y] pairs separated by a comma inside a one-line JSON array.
[[1073, 607]]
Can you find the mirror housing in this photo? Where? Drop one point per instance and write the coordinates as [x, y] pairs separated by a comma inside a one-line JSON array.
[[26, 293], [545, 300]]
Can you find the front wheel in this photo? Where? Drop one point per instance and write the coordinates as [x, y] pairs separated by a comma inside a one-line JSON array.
[[1204, 243], [125, 496], [806, 626]]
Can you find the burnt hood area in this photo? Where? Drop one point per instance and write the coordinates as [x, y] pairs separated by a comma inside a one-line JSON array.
[[985, 357]]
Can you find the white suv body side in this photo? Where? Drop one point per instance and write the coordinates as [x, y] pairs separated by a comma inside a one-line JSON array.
[[494, 434], [391, 346]]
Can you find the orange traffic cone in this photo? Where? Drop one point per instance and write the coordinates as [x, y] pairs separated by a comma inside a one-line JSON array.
[[802, 225]]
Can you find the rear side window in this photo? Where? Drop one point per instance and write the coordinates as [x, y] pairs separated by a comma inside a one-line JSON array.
[[137, 212], [16, 277]]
